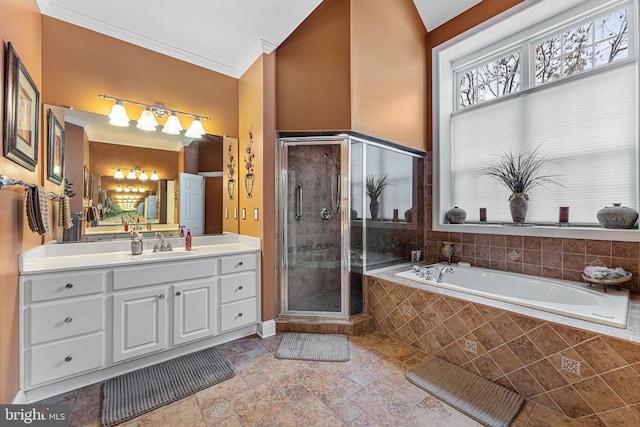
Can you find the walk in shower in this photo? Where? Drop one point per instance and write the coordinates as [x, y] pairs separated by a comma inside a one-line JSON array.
[[330, 236]]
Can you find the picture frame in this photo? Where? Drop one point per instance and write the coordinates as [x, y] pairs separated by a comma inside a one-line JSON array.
[[22, 112], [55, 139]]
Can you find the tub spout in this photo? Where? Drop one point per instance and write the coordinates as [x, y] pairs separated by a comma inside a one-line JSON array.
[[445, 270]]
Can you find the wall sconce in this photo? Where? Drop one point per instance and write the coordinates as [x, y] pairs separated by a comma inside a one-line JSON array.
[[249, 155], [148, 122], [230, 186]]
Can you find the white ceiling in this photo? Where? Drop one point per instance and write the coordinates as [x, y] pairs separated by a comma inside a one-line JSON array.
[[225, 36]]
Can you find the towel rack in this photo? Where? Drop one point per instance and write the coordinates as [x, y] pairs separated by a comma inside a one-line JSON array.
[[7, 182]]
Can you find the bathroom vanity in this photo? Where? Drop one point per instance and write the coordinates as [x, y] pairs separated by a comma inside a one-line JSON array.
[[91, 311]]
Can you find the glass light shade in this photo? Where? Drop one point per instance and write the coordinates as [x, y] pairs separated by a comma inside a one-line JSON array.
[[119, 196], [141, 189], [119, 189], [195, 130], [173, 125], [118, 174], [143, 176], [118, 115], [154, 176], [127, 189], [134, 189], [147, 121], [56, 169], [131, 175]]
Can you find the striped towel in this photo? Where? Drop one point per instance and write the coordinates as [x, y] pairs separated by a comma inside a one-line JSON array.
[[64, 213], [37, 207]]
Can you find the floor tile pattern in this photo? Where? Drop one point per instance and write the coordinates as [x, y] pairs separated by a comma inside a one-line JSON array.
[[578, 374], [368, 390]]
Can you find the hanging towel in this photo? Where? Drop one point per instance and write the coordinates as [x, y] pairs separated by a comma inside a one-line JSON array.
[[64, 213], [42, 211], [30, 193]]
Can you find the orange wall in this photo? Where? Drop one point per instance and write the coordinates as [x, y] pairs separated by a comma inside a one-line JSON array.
[[19, 24], [476, 15], [388, 71], [312, 72], [257, 112], [79, 64]]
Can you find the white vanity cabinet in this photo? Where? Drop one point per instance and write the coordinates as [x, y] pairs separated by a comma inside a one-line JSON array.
[[64, 325], [84, 326]]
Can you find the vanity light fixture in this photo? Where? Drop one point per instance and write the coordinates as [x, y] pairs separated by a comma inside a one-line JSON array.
[[127, 189], [143, 176], [154, 176], [119, 189], [118, 115], [135, 173], [134, 189], [148, 120], [131, 175], [118, 174], [141, 189]]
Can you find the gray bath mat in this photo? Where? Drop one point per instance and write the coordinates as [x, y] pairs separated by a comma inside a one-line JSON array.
[[321, 347], [488, 403], [137, 392]]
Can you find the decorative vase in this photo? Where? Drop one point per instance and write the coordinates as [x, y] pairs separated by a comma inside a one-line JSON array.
[[354, 214], [447, 250], [408, 214], [456, 215], [518, 204], [374, 207], [617, 216]]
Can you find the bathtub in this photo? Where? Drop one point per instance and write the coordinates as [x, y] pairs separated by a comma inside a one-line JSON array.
[[571, 299]]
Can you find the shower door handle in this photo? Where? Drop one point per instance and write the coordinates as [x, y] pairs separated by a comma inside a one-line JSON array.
[[339, 194], [298, 202]]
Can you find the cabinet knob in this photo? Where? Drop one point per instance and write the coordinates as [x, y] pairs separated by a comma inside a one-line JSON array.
[[68, 359], [239, 314], [178, 293], [240, 287], [68, 320], [240, 263], [161, 296], [69, 285]]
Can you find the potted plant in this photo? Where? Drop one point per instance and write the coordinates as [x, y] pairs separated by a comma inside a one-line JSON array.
[[520, 173], [375, 186]]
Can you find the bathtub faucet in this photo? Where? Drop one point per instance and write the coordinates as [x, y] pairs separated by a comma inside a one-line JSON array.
[[445, 270]]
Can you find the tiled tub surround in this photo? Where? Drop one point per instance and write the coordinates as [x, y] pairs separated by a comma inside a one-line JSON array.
[[584, 371]]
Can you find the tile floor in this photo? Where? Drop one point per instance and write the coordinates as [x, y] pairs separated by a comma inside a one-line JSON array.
[[369, 390]]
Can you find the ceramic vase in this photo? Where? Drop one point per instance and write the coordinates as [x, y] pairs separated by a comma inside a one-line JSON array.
[[374, 207], [617, 216], [518, 205], [456, 215]]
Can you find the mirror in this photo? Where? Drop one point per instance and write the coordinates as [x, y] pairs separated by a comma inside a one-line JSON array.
[[147, 196]]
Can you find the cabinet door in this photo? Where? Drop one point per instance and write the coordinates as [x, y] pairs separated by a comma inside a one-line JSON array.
[[139, 323], [194, 310]]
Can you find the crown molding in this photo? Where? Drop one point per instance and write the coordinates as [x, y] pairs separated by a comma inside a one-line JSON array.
[[55, 11], [260, 47]]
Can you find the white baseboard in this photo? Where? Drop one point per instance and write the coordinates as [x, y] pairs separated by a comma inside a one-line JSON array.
[[267, 329], [20, 398]]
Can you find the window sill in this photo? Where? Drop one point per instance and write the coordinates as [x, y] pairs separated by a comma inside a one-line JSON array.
[[591, 233]]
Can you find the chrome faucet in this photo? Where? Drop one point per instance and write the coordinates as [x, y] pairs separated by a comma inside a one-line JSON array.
[[424, 272], [160, 245], [445, 270]]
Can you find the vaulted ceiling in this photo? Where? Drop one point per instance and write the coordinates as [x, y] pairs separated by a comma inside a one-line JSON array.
[[225, 36]]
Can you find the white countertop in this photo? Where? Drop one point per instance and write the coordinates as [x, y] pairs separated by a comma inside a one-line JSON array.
[[53, 256], [630, 333]]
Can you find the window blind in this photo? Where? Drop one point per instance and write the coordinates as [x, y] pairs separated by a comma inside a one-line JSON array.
[[587, 126]]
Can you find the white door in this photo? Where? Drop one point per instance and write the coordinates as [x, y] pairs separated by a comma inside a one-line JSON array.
[[194, 310], [192, 203], [139, 323]]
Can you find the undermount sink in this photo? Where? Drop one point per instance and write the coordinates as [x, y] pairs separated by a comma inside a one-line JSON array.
[[168, 254]]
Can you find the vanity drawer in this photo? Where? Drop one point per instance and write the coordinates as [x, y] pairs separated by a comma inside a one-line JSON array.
[[61, 359], [237, 263], [237, 314], [54, 321], [235, 287], [63, 285], [171, 271]]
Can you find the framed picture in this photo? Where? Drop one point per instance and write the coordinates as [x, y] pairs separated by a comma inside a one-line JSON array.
[[55, 161], [22, 111]]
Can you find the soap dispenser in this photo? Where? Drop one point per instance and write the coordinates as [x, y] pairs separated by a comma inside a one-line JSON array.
[[187, 240]]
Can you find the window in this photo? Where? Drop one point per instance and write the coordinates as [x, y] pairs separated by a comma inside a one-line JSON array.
[[566, 85]]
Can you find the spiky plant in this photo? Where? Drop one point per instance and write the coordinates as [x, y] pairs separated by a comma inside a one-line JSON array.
[[375, 186], [522, 172]]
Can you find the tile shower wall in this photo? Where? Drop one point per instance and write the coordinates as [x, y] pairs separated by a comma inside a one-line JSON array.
[[585, 376], [539, 256], [314, 249]]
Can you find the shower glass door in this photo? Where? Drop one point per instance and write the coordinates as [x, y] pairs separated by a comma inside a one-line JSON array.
[[313, 223]]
